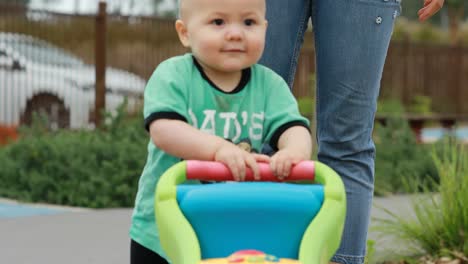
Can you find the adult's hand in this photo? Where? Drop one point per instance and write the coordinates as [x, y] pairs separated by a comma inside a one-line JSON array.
[[430, 8]]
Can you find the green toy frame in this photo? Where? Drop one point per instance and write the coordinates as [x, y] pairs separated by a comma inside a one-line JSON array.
[[320, 241]]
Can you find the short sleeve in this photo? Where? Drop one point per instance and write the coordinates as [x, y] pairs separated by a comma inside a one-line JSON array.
[[165, 94], [282, 111]]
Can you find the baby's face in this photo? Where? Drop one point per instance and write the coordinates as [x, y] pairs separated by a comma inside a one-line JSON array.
[[224, 35]]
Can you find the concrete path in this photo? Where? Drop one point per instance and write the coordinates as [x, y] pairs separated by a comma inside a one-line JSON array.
[[387, 246], [79, 236]]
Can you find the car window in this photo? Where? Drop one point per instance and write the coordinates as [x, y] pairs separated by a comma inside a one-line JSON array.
[[43, 53]]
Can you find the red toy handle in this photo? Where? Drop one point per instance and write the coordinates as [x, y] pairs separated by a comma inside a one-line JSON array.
[[216, 171]]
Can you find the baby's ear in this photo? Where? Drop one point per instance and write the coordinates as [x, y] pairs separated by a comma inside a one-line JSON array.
[[182, 33]]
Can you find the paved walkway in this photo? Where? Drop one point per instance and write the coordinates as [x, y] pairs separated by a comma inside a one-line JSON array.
[[85, 236], [386, 246]]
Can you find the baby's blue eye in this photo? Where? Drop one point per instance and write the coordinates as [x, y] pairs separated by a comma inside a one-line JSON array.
[[249, 22], [217, 22]]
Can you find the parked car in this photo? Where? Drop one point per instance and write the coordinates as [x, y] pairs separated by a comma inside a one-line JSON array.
[[36, 76]]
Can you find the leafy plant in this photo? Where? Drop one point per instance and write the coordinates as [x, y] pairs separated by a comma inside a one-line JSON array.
[[306, 106], [370, 252], [81, 168], [399, 158], [421, 104], [390, 106], [440, 226]]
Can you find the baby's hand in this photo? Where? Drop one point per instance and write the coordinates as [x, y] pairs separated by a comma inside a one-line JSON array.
[[282, 162], [238, 160]]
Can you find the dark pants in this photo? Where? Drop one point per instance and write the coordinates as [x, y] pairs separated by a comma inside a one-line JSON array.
[[141, 255]]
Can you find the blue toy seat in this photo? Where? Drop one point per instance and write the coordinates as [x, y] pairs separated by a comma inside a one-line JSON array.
[[270, 217]]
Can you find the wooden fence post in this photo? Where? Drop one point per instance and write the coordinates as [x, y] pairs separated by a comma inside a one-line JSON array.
[[100, 64], [406, 89], [458, 66]]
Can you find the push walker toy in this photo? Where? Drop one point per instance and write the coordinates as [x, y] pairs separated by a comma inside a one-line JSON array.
[[263, 221]]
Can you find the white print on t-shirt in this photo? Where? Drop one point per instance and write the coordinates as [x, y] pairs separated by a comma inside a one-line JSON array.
[[231, 126]]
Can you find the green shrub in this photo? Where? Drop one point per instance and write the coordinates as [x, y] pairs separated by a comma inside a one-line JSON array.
[[421, 104], [390, 106], [412, 31], [440, 225], [370, 252], [81, 168], [400, 158], [306, 106], [307, 103]]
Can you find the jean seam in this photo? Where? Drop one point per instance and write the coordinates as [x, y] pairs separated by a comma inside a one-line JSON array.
[[380, 4], [349, 259], [297, 47]]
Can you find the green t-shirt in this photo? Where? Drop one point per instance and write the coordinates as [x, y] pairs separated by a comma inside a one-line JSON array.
[[257, 111]]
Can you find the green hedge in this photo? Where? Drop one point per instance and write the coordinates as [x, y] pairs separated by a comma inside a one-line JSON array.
[[101, 168], [399, 159], [440, 223], [94, 169]]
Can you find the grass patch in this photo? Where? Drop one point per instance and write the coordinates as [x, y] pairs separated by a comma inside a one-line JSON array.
[[440, 226]]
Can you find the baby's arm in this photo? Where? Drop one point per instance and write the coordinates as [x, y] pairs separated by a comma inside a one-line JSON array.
[[294, 145], [182, 140]]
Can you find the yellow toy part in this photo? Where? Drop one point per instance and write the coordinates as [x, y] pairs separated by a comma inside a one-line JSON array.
[[250, 256]]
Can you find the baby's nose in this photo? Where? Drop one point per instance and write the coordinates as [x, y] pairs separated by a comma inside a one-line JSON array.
[[234, 32]]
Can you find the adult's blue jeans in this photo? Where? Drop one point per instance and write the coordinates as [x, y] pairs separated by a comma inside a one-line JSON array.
[[351, 43]]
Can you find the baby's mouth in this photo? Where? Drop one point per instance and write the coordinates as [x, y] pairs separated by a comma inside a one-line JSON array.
[[233, 50]]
